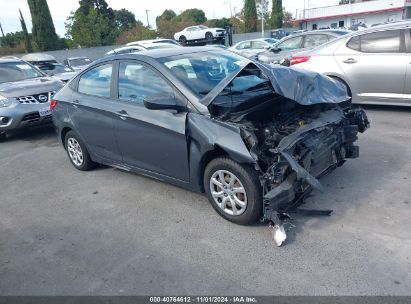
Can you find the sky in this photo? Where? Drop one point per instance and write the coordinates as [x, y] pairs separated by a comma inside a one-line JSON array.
[[60, 9]]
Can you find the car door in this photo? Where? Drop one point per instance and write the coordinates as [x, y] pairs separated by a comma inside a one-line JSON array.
[[193, 33], [149, 140], [92, 112], [374, 66]]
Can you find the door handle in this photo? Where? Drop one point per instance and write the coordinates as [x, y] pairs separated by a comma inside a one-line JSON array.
[[123, 114], [76, 103], [350, 60]]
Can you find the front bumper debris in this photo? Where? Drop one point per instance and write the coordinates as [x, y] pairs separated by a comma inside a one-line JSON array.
[[329, 141]]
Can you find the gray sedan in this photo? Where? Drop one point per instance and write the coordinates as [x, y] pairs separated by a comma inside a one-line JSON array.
[[253, 138], [249, 48], [281, 52], [374, 64], [25, 94]]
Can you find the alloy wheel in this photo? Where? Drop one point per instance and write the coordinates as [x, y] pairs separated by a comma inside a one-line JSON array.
[[75, 152], [228, 192]]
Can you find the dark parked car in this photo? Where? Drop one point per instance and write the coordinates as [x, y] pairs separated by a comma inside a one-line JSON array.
[[57, 70], [253, 138], [282, 52], [25, 94], [77, 63]]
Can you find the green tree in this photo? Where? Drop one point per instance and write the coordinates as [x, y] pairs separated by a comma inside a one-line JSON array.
[[92, 24], [136, 33], [250, 16], [287, 18], [193, 14], [221, 23], [43, 31], [277, 14], [167, 15], [27, 40], [124, 19]]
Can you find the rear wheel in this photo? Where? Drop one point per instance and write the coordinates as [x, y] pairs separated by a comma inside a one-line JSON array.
[[233, 190], [77, 152], [182, 39]]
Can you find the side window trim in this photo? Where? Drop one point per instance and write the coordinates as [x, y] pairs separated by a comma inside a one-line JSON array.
[[178, 95]]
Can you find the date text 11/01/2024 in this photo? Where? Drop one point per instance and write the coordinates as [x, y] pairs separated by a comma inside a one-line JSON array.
[[203, 299]]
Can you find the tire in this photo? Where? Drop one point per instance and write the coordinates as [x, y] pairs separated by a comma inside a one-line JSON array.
[[3, 136], [243, 177], [209, 36], [182, 39], [77, 152]]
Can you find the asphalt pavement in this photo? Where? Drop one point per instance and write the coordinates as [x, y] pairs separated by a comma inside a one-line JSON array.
[[110, 232]]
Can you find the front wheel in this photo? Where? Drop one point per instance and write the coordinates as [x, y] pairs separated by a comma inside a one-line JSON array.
[[209, 36], [77, 152], [233, 190]]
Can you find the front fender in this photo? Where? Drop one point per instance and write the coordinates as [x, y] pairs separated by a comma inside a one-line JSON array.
[[207, 135]]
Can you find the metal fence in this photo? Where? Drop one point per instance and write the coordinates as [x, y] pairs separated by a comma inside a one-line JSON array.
[[99, 51]]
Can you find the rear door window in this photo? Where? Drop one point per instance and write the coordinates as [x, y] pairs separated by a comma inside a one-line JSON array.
[[379, 42], [96, 81]]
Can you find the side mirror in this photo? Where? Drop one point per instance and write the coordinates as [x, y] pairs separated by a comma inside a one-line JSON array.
[[276, 49], [267, 47], [162, 102]]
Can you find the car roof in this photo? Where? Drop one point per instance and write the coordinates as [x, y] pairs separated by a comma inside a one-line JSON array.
[[10, 60], [38, 57], [161, 53], [78, 57]]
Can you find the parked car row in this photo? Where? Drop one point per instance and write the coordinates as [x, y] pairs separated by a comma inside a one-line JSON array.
[[374, 64]]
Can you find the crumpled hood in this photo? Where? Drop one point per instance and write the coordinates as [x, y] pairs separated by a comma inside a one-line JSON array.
[[303, 87], [29, 87]]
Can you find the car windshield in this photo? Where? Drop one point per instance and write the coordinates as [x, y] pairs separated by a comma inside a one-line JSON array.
[[55, 69], [79, 62], [203, 27], [202, 71], [16, 71]]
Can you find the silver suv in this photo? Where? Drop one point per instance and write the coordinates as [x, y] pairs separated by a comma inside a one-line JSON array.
[[374, 64], [25, 94]]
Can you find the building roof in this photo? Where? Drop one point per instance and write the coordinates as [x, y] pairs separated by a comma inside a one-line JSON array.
[[353, 9]]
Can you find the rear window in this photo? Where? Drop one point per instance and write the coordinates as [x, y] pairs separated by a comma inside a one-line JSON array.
[[379, 42], [96, 81]]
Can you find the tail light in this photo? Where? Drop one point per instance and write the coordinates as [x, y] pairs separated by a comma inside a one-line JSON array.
[[299, 59], [53, 104]]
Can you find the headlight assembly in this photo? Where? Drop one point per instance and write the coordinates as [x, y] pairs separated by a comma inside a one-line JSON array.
[[5, 102]]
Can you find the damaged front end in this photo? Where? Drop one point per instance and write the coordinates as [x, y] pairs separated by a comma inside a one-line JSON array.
[[297, 126]]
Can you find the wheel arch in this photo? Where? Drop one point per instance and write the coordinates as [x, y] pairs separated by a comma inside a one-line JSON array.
[[342, 79], [63, 133]]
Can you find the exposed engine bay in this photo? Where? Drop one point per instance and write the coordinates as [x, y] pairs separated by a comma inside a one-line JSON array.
[[295, 148], [296, 126]]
